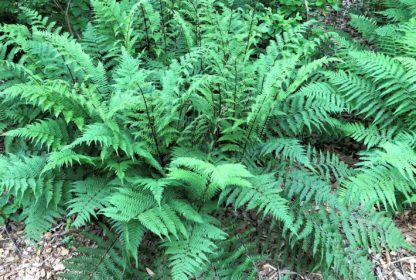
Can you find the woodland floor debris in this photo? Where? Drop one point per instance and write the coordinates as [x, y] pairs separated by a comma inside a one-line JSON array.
[[21, 260]]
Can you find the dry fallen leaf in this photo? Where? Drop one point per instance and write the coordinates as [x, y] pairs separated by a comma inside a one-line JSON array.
[[64, 252], [59, 267], [150, 272]]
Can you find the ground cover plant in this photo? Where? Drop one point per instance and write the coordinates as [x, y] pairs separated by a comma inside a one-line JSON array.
[[197, 135]]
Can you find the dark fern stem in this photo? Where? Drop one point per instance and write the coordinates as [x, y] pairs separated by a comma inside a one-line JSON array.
[[225, 55], [104, 256], [235, 88], [198, 37], [152, 126], [249, 32], [263, 129], [2, 148], [219, 100], [145, 27], [69, 71], [197, 25], [162, 15], [266, 121]]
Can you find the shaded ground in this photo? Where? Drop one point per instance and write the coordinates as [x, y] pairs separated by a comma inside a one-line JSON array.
[[400, 265], [20, 260]]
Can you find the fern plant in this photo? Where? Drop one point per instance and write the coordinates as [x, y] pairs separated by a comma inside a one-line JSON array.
[[168, 123], [71, 15], [378, 86]]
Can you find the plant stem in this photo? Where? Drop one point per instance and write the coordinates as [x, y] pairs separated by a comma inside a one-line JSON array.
[[152, 126], [249, 32], [235, 88], [145, 27], [163, 25]]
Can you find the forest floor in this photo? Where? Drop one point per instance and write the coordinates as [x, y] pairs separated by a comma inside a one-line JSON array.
[[20, 260]]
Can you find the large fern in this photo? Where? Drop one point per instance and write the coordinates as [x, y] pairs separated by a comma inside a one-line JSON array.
[[176, 126]]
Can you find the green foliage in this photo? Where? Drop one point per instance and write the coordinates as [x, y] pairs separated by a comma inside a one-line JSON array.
[[379, 89], [236, 257], [306, 6], [89, 195], [188, 256], [190, 132], [103, 261], [70, 14]]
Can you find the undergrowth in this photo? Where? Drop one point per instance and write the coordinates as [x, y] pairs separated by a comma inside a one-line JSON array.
[[191, 132]]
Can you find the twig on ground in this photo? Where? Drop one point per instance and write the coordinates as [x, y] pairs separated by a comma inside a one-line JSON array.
[[401, 260], [11, 238]]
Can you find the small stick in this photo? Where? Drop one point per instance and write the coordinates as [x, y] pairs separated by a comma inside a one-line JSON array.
[[14, 242], [402, 259]]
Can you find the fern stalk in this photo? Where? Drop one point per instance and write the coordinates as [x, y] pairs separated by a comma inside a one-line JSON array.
[[152, 126], [145, 27]]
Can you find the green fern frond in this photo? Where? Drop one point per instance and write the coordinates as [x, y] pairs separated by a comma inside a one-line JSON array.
[[264, 196], [163, 220], [366, 26], [371, 136], [131, 234], [328, 165], [103, 261], [204, 179], [89, 198], [188, 257], [39, 218], [23, 174], [66, 158], [106, 136], [286, 149], [237, 257], [384, 172], [51, 133]]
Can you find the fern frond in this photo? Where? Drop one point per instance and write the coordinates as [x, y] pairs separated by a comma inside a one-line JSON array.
[[237, 257], [163, 220], [286, 148], [328, 165], [51, 133], [65, 158], [89, 197], [204, 179], [384, 172], [39, 218], [263, 196], [371, 136], [103, 261], [188, 257], [107, 137]]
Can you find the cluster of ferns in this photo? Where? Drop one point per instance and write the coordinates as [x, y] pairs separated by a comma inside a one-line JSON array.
[[201, 147]]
